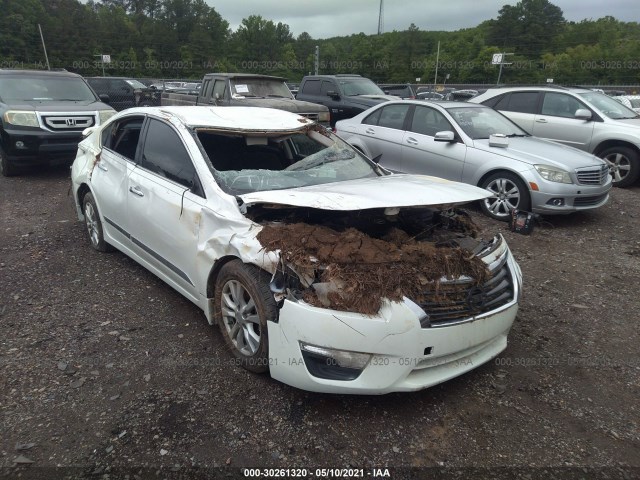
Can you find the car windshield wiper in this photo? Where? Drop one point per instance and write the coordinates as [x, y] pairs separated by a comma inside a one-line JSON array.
[[277, 96], [511, 135]]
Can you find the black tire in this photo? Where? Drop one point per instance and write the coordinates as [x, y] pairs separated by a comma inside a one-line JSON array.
[[93, 224], [243, 303], [7, 168], [624, 165], [510, 192]]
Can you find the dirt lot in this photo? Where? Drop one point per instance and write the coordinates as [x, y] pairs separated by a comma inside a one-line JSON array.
[[106, 369]]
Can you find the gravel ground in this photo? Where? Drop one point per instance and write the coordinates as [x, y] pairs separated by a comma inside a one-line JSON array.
[[104, 368]]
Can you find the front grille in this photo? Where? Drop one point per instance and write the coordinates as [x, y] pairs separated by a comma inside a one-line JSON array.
[[588, 201], [456, 300], [593, 176], [68, 123]]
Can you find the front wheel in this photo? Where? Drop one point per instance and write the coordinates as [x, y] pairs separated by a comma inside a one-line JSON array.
[[624, 165], [94, 225], [508, 193], [244, 303]]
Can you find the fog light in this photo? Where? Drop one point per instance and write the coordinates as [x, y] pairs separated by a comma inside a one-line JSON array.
[[333, 364], [20, 144], [556, 202]]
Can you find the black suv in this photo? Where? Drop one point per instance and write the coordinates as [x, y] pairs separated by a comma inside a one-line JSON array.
[[344, 95], [125, 92], [43, 114]]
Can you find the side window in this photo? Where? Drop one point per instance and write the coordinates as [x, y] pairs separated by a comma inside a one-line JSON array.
[[206, 88], [219, 88], [523, 102], [393, 116], [327, 86], [123, 137], [374, 118], [428, 121], [165, 154], [311, 87], [497, 102], [560, 105]]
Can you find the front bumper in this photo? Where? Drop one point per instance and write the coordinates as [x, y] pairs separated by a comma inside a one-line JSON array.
[[40, 147], [573, 198], [405, 356]]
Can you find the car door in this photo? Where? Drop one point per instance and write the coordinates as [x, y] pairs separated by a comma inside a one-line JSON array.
[[109, 178], [421, 154], [556, 121], [164, 204], [382, 132]]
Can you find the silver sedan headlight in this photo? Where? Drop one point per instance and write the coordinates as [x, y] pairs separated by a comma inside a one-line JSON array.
[[553, 174]]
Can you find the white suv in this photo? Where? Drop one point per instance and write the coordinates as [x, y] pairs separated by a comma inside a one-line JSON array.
[[577, 117]]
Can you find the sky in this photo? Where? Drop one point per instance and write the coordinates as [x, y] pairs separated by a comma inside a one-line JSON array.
[[331, 18]]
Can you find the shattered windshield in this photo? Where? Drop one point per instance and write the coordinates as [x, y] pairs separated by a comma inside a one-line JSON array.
[[245, 164]]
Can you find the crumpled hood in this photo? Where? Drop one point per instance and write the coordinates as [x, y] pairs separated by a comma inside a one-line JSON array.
[[398, 190], [287, 104], [532, 150]]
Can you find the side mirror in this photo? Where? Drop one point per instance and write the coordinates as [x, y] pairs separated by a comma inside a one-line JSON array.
[[104, 98], [583, 114], [445, 136], [333, 94]]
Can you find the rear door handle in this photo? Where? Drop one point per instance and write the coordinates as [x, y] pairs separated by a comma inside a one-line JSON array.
[[136, 191], [370, 131], [103, 166], [412, 141], [541, 120]]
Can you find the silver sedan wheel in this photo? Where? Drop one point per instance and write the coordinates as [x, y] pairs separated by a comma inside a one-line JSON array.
[[506, 197], [240, 317], [91, 219], [619, 165]]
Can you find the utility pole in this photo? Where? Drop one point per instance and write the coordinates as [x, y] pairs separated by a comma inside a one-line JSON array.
[[381, 18], [316, 62], [46, 57], [435, 79]]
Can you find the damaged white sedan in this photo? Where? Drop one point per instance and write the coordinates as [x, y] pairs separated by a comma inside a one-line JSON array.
[[319, 266]]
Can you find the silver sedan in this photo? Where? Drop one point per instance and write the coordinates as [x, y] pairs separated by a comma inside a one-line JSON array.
[[475, 144]]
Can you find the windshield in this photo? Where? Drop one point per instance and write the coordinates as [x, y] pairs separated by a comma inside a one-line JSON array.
[[359, 86], [481, 122], [45, 89], [608, 106], [136, 84], [259, 87], [251, 164]]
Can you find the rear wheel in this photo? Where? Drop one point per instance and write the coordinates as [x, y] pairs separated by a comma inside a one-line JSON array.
[[624, 165], [243, 304], [7, 168], [509, 193]]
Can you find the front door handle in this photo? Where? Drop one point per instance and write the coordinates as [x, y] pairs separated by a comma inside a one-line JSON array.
[[541, 120], [412, 141], [136, 191], [370, 131], [103, 166]]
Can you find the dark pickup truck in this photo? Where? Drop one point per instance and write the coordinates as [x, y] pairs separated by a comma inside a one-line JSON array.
[[42, 116], [248, 90]]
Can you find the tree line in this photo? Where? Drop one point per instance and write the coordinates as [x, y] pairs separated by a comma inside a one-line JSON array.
[[187, 38]]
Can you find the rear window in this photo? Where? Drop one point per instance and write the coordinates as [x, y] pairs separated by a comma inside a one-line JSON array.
[[523, 102]]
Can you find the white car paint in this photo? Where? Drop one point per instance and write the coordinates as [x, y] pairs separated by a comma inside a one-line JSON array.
[[179, 236]]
